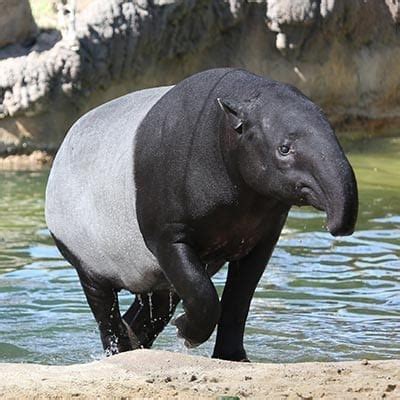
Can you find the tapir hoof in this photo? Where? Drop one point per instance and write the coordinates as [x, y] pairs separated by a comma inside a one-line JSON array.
[[181, 324]]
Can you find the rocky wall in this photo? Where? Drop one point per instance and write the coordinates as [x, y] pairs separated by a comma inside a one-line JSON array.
[[344, 54], [16, 22]]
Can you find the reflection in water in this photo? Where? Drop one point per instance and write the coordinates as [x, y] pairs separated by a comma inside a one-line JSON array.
[[321, 298]]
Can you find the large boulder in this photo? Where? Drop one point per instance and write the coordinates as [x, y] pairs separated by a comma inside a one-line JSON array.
[[16, 22]]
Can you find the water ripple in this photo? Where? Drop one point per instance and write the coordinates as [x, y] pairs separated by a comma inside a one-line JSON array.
[[321, 298]]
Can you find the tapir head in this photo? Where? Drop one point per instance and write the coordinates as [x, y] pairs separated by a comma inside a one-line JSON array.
[[286, 149]]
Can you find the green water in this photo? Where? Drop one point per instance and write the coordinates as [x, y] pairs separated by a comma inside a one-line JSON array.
[[320, 299]]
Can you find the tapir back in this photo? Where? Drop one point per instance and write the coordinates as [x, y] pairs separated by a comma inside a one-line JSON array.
[[91, 193]]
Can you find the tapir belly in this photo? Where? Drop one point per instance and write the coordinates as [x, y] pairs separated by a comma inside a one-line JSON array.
[[91, 195]]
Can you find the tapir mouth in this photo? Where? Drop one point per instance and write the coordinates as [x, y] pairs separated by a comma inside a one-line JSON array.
[[341, 213], [309, 197]]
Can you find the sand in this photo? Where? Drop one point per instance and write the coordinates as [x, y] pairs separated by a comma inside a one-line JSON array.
[[35, 161], [151, 374]]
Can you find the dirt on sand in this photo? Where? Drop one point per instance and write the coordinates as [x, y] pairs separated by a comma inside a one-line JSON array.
[[151, 374]]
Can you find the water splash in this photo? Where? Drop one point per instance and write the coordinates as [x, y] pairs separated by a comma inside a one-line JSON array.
[[171, 303], [113, 348], [140, 300], [150, 295]]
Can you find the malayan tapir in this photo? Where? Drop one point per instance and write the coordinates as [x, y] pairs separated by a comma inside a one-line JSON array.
[[155, 191]]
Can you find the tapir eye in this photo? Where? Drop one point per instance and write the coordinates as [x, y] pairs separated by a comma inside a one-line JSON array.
[[284, 149]]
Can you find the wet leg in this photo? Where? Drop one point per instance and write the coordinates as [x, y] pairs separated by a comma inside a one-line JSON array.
[[148, 316], [103, 301], [235, 303], [242, 280], [186, 273]]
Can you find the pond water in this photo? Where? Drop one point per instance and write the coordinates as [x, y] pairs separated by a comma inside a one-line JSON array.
[[320, 298]]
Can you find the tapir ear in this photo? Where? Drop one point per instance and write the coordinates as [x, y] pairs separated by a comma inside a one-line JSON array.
[[232, 111]]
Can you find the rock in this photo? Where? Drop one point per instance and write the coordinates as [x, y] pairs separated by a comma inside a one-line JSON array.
[[344, 55], [394, 8], [16, 22], [390, 388], [283, 12], [23, 162]]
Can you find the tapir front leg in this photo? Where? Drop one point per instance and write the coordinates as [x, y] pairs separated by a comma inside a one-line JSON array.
[[242, 280], [200, 300]]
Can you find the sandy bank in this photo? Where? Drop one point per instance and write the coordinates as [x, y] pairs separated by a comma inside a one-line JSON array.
[[163, 375], [35, 161]]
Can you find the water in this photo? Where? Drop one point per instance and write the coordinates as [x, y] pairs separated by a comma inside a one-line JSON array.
[[320, 299]]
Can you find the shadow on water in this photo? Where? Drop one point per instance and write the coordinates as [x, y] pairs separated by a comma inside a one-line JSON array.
[[321, 298]]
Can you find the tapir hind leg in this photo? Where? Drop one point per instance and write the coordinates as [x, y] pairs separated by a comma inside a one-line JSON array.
[[148, 316], [103, 301]]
